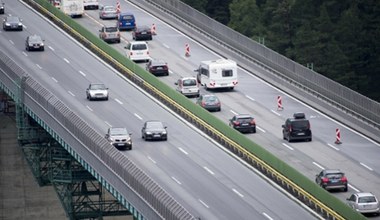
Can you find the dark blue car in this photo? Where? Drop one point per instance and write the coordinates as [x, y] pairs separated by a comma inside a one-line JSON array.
[[126, 21]]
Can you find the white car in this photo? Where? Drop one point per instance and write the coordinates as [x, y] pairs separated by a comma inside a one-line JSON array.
[[188, 86], [97, 91], [138, 51], [364, 202], [119, 137]]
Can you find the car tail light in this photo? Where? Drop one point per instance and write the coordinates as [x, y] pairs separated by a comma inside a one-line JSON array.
[[203, 104], [308, 125], [103, 13], [218, 104], [290, 128], [343, 179], [236, 123], [147, 52], [165, 67], [212, 83], [252, 122], [131, 53], [118, 34], [325, 180]]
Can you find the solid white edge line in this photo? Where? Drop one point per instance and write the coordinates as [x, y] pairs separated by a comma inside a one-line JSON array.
[[366, 166], [208, 170], [267, 216], [54, 79], [177, 181], [262, 130], [352, 187], [183, 151], [332, 146], [237, 192], [203, 203], [287, 146], [151, 159], [185, 121], [89, 108], [316, 164], [107, 123], [138, 116]]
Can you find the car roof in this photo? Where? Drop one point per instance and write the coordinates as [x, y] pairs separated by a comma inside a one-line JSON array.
[[186, 78], [327, 171], [158, 62], [153, 121], [243, 116], [138, 42], [363, 194]]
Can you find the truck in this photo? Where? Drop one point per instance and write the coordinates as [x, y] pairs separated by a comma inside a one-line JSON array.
[[214, 74], [72, 8]]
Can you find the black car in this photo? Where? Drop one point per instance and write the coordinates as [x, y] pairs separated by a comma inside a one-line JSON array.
[[12, 23], [142, 33], [154, 130], [243, 123], [2, 8], [332, 179], [209, 102], [297, 128], [34, 42], [157, 67]]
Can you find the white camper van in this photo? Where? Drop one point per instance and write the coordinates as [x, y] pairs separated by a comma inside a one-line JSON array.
[[220, 73], [72, 8]]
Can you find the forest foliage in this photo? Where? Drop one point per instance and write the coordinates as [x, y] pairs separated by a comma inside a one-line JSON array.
[[338, 38]]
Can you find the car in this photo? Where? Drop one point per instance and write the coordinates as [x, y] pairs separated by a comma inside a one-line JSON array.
[[142, 33], [2, 8], [109, 34], [12, 23], [56, 3], [154, 130], [91, 4], [107, 12], [297, 128], [157, 67], [364, 202], [209, 102], [126, 21], [119, 137], [34, 42], [243, 123], [332, 179], [188, 86], [138, 51], [97, 91]]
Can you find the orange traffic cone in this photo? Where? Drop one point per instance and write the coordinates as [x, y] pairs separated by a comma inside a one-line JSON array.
[[187, 50], [153, 29]]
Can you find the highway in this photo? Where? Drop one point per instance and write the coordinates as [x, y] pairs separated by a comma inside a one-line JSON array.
[[206, 180], [357, 156]]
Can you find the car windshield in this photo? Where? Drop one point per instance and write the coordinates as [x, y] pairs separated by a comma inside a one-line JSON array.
[[367, 199], [139, 47], [189, 82], [98, 86], [127, 17], [111, 29], [35, 39], [13, 19], [334, 175], [300, 124], [118, 131], [154, 124]]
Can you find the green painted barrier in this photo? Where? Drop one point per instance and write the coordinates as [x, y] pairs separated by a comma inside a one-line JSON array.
[[289, 172]]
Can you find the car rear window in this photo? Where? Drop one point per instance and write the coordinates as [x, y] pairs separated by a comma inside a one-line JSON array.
[[245, 120], [189, 82], [127, 17], [139, 47], [367, 199], [334, 175], [111, 29], [211, 98], [300, 124]]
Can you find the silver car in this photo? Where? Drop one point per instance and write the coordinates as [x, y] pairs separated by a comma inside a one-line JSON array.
[[97, 91], [364, 202], [119, 138], [107, 12]]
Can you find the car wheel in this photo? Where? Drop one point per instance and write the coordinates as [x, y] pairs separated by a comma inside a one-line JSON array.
[[345, 189], [151, 38], [42, 49], [27, 48], [253, 130], [289, 139], [107, 98], [219, 109]]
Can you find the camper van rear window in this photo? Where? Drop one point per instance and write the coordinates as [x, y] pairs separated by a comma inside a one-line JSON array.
[[227, 73]]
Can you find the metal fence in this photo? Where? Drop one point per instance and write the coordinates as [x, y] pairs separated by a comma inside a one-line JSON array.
[[127, 178], [233, 44]]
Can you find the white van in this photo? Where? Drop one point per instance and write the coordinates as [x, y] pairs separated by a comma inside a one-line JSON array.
[[220, 73], [188, 86], [137, 51]]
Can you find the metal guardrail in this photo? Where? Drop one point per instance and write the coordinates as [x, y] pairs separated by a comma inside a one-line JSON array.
[[346, 105], [232, 145], [90, 148]]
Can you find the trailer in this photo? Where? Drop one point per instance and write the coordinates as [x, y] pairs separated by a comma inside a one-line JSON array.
[[72, 8]]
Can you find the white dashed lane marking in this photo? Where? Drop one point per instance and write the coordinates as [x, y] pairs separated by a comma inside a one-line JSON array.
[[262, 130], [203, 203], [369, 168], [71, 93], [238, 193], [267, 216], [11, 42], [66, 60], [39, 67], [287, 146], [208, 170], [233, 112], [107, 123], [51, 48], [90, 109], [54, 79], [82, 73], [249, 97], [276, 113], [183, 151], [316, 164], [118, 101], [138, 116], [153, 161], [25, 54], [333, 147], [177, 181]]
